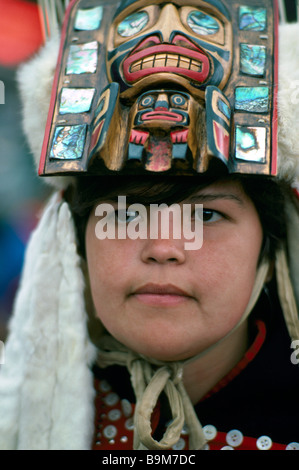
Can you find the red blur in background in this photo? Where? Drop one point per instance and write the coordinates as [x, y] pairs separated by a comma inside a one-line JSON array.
[[20, 31]]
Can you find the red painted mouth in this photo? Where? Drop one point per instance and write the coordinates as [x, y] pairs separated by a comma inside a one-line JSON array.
[[181, 57], [162, 115]]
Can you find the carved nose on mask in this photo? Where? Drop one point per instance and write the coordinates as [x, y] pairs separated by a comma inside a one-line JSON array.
[[168, 19], [162, 103]]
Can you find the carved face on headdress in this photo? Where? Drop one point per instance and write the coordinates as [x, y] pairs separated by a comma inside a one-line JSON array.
[[186, 43], [162, 124]]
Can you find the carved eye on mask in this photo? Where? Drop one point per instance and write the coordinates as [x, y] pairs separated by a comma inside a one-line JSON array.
[[178, 101], [147, 101], [167, 42], [133, 24], [202, 24]]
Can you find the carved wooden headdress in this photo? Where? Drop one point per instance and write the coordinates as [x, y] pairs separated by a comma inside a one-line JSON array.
[[149, 86]]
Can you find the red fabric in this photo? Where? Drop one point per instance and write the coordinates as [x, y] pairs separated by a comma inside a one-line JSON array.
[[102, 421], [248, 357], [20, 31], [122, 426], [249, 443]]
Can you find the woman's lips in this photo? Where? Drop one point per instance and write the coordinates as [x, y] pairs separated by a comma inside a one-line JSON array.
[[161, 295]]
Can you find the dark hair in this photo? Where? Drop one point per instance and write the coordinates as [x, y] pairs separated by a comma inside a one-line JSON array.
[[267, 194]]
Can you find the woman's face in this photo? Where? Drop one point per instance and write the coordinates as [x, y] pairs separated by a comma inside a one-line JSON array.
[[169, 303]]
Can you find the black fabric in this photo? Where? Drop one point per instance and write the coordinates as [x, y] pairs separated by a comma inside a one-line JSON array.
[[263, 398], [119, 379]]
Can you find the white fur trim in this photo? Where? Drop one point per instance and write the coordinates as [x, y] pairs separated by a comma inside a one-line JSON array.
[[293, 247], [288, 101], [46, 386]]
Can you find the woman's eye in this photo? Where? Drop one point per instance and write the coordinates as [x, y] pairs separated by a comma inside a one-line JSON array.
[[133, 24], [125, 216], [202, 24], [207, 215]]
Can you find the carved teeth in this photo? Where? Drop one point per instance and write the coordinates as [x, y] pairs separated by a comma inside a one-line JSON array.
[[196, 66], [172, 60], [160, 60], [166, 60]]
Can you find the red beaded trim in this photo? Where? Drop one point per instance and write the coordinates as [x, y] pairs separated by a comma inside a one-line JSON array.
[[114, 428]]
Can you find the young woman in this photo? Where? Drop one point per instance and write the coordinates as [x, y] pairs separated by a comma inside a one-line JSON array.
[[122, 337], [213, 311]]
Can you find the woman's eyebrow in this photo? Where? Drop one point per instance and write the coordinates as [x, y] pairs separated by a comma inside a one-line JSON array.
[[209, 197]]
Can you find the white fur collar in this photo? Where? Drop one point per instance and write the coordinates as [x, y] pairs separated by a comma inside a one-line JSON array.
[[46, 386]]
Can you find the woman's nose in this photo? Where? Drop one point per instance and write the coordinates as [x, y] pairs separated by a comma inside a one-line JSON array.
[[163, 251], [165, 241]]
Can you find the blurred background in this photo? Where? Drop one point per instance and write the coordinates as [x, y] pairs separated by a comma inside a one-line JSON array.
[[22, 193]]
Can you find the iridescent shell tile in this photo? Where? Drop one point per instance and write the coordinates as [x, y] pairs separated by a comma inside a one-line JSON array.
[[252, 19], [201, 23], [133, 24], [68, 142], [251, 144], [76, 100], [82, 58], [88, 19], [253, 59], [252, 99]]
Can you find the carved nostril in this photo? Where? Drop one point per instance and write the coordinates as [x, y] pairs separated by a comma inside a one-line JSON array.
[[161, 108]]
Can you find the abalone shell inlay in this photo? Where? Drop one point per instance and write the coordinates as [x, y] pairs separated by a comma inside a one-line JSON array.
[[76, 100], [88, 19], [82, 58], [251, 144], [253, 59], [133, 24], [252, 99], [201, 23], [68, 142], [252, 19]]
